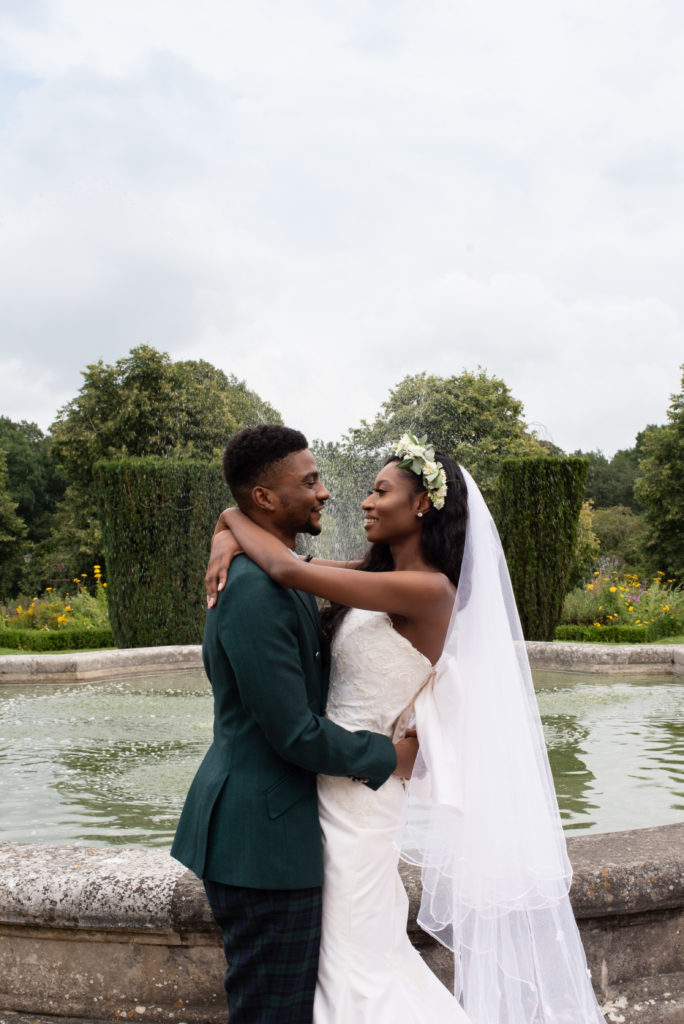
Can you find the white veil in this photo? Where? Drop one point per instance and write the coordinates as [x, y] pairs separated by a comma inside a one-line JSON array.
[[483, 821]]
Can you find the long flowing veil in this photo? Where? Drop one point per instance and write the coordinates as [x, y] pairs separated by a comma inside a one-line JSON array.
[[483, 820]]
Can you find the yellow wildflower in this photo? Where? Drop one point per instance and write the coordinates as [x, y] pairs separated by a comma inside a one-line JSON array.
[[612, 589], [590, 586]]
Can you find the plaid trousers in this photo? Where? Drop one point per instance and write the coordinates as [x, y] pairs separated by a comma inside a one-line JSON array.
[[271, 939]]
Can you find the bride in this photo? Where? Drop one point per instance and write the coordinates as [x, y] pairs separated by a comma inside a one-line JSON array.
[[424, 632]]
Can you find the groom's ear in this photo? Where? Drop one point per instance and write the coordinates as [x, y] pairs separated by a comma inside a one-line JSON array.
[[263, 498]]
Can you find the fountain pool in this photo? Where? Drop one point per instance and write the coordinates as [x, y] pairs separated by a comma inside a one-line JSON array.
[[110, 762]]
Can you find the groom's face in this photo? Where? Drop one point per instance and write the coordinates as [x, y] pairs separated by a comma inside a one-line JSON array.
[[300, 496]]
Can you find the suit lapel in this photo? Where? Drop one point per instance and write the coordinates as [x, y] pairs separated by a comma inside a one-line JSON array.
[[310, 606]]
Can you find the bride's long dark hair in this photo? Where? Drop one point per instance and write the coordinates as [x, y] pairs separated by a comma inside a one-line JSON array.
[[442, 536]]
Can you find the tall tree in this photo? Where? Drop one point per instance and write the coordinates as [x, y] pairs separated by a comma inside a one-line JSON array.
[[610, 482], [33, 479], [660, 489], [472, 417], [144, 404], [12, 534]]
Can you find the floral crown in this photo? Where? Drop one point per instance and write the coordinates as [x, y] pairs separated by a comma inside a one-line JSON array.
[[419, 457]]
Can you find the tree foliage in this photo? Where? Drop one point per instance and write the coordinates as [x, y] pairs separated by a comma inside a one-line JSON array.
[[158, 516], [33, 479], [660, 489], [12, 532], [587, 546], [539, 502], [472, 416], [622, 536], [143, 405], [610, 482]]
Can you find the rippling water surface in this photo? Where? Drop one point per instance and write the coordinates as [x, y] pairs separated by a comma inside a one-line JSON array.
[[110, 762]]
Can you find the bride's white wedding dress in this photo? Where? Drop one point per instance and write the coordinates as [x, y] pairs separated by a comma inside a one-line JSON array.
[[369, 973]]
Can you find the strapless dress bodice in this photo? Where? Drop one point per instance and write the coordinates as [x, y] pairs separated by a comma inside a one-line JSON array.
[[375, 675]]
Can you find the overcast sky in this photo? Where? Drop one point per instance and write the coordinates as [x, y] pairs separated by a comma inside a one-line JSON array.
[[321, 197]]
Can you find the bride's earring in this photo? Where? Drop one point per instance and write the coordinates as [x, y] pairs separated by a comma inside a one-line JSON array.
[[419, 514]]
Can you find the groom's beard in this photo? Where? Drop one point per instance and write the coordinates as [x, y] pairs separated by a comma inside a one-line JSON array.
[[313, 528], [309, 525]]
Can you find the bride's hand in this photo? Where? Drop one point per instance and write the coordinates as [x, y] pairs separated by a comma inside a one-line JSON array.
[[224, 548]]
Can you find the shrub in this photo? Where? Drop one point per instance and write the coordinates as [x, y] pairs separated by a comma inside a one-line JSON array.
[[622, 601], [157, 519], [56, 640], [538, 507], [79, 608], [605, 634]]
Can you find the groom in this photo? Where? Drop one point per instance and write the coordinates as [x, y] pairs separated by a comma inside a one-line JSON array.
[[249, 828]]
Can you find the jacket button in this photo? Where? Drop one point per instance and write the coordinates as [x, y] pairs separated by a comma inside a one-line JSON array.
[[317, 655]]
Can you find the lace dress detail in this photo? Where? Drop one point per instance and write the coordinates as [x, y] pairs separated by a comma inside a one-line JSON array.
[[369, 972], [376, 673]]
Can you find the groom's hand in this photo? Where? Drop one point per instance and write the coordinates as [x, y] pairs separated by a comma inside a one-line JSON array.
[[406, 751]]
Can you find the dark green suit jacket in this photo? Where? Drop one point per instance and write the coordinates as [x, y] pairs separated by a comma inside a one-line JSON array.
[[251, 815]]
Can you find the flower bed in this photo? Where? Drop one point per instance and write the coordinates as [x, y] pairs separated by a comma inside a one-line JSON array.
[[621, 608], [78, 612]]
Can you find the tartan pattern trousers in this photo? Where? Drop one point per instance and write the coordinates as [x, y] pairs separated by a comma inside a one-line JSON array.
[[271, 939]]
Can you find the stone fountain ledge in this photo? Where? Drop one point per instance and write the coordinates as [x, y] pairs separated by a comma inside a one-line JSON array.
[[102, 934], [89, 666]]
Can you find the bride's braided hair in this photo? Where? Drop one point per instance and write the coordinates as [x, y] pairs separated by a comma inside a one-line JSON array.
[[442, 537]]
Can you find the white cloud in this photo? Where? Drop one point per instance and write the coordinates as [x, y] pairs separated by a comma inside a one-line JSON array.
[[322, 198]]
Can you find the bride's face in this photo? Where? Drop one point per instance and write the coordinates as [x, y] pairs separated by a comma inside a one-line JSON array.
[[391, 509]]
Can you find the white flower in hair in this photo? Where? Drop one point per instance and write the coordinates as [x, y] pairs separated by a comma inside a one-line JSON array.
[[419, 457]]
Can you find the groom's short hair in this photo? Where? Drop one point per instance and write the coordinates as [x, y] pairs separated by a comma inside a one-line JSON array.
[[250, 453]]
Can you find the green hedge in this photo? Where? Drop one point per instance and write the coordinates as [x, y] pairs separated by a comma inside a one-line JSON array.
[[605, 634], [157, 519], [642, 634], [56, 639], [537, 508]]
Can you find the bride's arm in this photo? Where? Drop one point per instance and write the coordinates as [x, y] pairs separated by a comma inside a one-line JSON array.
[[400, 593], [224, 548]]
